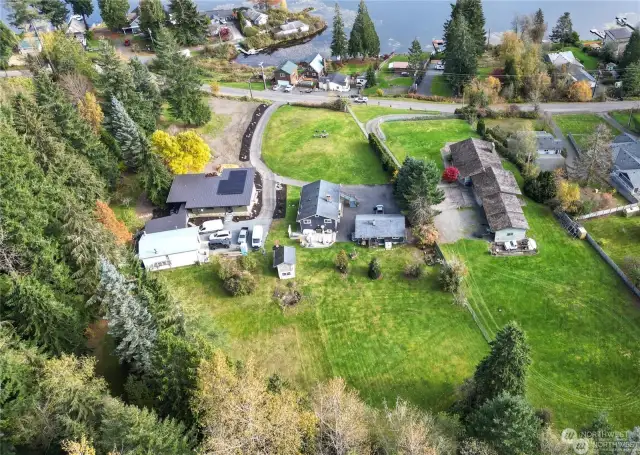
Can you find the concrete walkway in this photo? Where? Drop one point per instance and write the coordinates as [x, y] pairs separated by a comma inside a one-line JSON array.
[[572, 154]]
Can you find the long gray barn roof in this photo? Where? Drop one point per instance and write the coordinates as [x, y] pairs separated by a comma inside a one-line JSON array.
[[494, 180], [201, 191], [503, 211], [374, 226], [472, 156], [314, 200]]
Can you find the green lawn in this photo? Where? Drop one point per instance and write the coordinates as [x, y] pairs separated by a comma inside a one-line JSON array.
[[290, 149], [582, 324], [424, 138], [513, 125], [366, 113], [617, 235], [622, 117], [581, 125], [124, 201], [255, 86], [388, 338], [440, 87], [589, 62]]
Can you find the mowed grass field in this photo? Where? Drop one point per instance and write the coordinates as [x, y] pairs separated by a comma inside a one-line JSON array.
[[365, 113], [388, 338], [582, 323], [581, 125], [622, 117], [424, 138], [289, 148], [618, 235]]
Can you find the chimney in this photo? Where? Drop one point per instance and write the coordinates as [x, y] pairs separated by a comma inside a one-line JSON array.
[[328, 197]]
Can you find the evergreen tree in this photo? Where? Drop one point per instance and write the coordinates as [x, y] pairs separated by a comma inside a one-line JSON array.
[[415, 55], [339, 45], [129, 137], [130, 323], [146, 86], [462, 60], [190, 26], [114, 13], [82, 8], [8, 42], [370, 39], [156, 180], [38, 316], [538, 27], [54, 10], [356, 43], [631, 80], [504, 369], [473, 14], [508, 423], [371, 76], [418, 178], [563, 31], [631, 53], [152, 16]]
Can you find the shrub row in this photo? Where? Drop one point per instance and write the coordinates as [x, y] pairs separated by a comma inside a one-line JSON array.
[[339, 105], [388, 162], [512, 111]]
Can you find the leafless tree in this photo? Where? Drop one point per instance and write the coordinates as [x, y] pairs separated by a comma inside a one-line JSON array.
[[11, 261], [596, 159], [420, 210], [75, 85]]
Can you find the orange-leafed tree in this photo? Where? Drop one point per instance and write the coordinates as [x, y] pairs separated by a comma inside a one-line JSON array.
[[108, 219], [580, 91]]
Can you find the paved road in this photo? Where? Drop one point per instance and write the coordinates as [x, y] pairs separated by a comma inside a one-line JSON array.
[[425, 86]]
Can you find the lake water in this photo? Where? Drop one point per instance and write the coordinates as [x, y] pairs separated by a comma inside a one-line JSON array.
[[399, 21]]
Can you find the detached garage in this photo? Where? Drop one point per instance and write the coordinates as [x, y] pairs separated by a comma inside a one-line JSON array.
[[171, 249]]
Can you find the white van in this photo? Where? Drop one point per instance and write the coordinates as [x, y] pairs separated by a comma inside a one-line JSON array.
[[211, 226], [256, 237]]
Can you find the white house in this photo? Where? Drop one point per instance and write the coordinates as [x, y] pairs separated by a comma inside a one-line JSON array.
[[335, 82], [171, 249], [546, 143], [291, 28], [77, 29], [284, 259], [133, 25], [573, 66], [256, 17]]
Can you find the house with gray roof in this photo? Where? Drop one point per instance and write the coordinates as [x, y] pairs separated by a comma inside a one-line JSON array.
[[287, 74], [379, 230], [291, 28], [473, 156], [494, 180], [619, 37], [312, 68], [232, 192], [335, 82], [177, 220], [77, 28], [626, 166], [546, 143], [256, 17], [505, 217], [320, 207], [284, 259], [171, 249]]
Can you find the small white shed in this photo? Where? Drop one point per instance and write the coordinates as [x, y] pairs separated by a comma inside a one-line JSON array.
[[284, 259], [171, 249]]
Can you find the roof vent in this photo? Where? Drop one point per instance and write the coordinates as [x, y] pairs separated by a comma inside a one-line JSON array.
[[328, 197]]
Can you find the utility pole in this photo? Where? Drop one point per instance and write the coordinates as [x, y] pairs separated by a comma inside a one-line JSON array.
[[264, 81], [250, 91]]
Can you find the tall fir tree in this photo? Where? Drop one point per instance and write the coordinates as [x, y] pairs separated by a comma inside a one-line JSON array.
[[364, 40], [146, 86], [474, 18], [82, 8], [538, 27], [131, 140], [339, 44], [156, 180], [415, 55], [130, 324], [631, 80], [462, 61], [563, 30], [152, 16], [114, 13], [370, 38], [631, 53], [190, 26], [8, 42], [54, 10]]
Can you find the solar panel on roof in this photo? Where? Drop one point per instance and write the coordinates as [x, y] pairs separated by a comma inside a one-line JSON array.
[[234, 184]]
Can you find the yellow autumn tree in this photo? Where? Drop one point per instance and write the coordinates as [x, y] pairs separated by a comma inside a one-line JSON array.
[[90, 110], [82, 447], [183, 153], [580, 91], [511, 47], [568, 195]]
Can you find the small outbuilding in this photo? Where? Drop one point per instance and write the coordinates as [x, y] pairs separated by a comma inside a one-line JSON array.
[[379, 230], [284, 259], [171, 249]]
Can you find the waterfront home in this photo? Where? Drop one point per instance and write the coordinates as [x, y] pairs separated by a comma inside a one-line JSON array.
[[77, 28], [256, 17], [291, 28], [312, 68], [619, 36], [286, 74], [335, 82], [133, 23]]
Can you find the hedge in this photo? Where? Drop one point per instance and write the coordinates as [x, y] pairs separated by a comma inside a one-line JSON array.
[[388, 163]]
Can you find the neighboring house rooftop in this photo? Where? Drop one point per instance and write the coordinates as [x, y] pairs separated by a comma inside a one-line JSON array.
[[288, 67], [375, 226], [320, 198], [547, 141], [503, 211], [174, 221], [399, 65], [623, 138], [580, 74], [633, 175], [563, 58], [495, 180], [76, 25], [284, 255], [293, 25], [317, 63], [253, 15], [472, 156], [618, 34], [168, 242], [234, 187], [336, 78]]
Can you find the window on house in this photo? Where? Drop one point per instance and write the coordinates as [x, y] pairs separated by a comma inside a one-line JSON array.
[[306, 221], [286, 273], [283, 75], [327, 221], [395, 238], [509, 234]]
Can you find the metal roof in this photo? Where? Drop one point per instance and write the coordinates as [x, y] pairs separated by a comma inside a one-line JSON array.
[[168, 242], [374, 226], [633, 175], [317, 63], [288, 67], [202, 191], [314, 200], [284, 255], [623, 33], [580, 74], [336, 78], [562, 58], [167, 223]]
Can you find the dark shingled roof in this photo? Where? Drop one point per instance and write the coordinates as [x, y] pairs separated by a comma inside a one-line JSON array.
[[472, 156], [622, 33], [503, 211], [284, 255], [494, 180], [374, 226], [313, 200], [199, 191], [336, 78], [167, 223]]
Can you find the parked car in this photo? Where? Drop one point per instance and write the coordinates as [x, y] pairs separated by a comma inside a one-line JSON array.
[[309, 90], [243, 236], [275, 88], [211, 226], [256, 237], [220, 236], [361, 99], [355, 95], [288, 88], [404, 73], [511, 245], [440, 66], [378, 209]]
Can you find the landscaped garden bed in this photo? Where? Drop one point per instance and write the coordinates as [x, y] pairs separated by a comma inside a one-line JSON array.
[[245, 147]]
